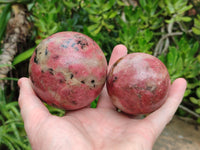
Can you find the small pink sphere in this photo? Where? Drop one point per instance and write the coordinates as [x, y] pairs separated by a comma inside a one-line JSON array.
[[138, 83]]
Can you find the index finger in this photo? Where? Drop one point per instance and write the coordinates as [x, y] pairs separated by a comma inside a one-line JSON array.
[[118, 52]]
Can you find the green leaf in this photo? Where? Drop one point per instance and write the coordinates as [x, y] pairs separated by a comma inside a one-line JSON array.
[[94, 103], [198, 92], [198, 58], [93, 11], [54, 29], [14, 1], [197, 23], [3, 20], [194, 100], [183, 9], [108, 5], [143, 3], [121, 3], [98, 2], [109, 26], [193, 85], [158, 23], [95, 32], [148, 35], [197, 110], [70, 4], [23, 56], [178, 18], [42, 25], [162, 4], [8, 78], [95, 19], [196, 30], [198, 16], [194, 49], [172, 58], [187, 92], [178, 3], [198, 120], [170, 20], [186, 19], [170, 61], [93, 27], [170, 7], [173, 55], [179, 65], [112, 14]]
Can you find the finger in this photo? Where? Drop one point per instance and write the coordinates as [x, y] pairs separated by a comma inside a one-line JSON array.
[[32, 109], [159, 119], [118, 52], [104, 100]]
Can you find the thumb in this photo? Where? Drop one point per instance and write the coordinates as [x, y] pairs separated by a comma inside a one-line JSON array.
[[32, 109]]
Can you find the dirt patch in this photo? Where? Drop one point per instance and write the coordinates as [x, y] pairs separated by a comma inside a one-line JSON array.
[[179, 134]]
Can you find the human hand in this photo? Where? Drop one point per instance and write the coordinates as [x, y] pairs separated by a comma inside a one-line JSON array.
[[101, 128]]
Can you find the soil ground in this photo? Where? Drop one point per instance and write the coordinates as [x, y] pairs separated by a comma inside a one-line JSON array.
[[179, 134]]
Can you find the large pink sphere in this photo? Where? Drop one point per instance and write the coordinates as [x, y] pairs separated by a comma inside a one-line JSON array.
[[68, 70]]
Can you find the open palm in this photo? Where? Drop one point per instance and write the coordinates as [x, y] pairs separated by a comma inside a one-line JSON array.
[[100, 128]]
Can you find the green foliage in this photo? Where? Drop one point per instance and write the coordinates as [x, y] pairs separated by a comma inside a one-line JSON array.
[[196, 100], [94, 103], [175, 9], [74, 17], [55, 111], [15, 1], [182, 62], [12, 134], [137, 28], [46, 18], [4, 17], [196, 28], [23, 56], [101, 14], [149, 12], [136, 40]]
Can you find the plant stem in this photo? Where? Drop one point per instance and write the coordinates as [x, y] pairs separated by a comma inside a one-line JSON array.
[[163, 38], [189, 111], [14, 1]]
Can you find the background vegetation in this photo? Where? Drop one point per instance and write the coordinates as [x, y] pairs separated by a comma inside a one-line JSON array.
[[167, 29]]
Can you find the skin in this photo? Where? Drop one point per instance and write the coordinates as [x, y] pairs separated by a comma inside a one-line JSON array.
[[102, 128]]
